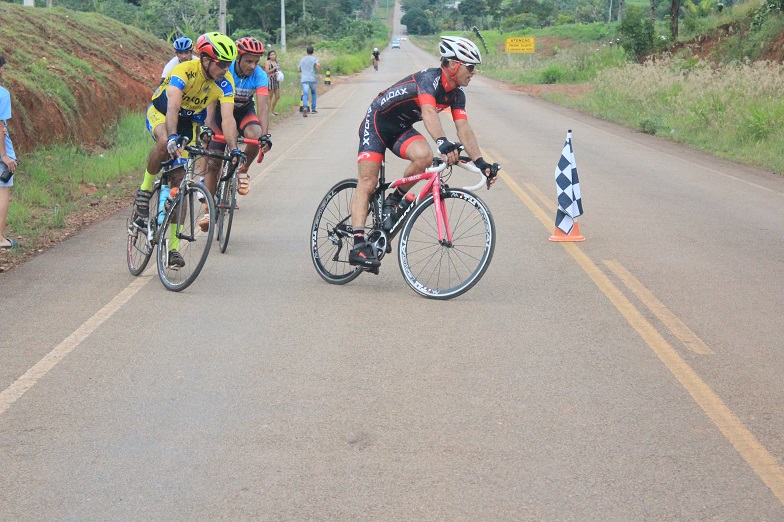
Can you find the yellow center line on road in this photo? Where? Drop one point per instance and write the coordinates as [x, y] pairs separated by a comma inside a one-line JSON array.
[[676, 326], [761, 461]]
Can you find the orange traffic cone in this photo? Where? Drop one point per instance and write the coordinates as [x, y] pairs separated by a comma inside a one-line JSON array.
[[574, 235]]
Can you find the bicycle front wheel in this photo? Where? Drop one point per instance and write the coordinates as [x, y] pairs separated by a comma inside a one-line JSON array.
[[225, 203], [182, 245], [140, 243], [332, 237], [442, 269]]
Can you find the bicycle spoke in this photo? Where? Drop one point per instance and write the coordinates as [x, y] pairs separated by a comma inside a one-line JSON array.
[[331, 238], [439, 268], [187, 240]]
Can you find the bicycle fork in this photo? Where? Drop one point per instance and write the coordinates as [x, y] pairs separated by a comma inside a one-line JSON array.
[[442, 219]]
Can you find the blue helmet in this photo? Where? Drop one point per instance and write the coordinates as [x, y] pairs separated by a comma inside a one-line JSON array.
[[183, 44]]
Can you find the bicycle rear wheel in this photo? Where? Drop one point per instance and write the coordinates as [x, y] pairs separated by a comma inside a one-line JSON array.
[[186, 238], [331, 235], [225, 202], [139, 248], [442, 269]]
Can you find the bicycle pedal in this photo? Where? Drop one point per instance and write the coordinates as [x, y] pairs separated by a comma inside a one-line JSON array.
[[373, 271]]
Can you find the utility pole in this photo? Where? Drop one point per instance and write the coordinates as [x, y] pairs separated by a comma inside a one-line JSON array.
[[283, 26], [222, 17]]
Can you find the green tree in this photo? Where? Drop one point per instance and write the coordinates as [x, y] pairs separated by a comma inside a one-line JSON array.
[[637, 31], [472, 11], [417, 22], [165, 18]]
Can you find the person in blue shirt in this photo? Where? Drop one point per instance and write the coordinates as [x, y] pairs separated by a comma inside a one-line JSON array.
[[8, 158], [249, 80]]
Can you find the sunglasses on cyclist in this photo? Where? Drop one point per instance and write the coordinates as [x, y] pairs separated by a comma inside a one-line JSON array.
[[469, 66], [222, 64]]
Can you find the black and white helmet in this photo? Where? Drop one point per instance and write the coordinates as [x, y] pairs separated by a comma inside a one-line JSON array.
[[459, 48]]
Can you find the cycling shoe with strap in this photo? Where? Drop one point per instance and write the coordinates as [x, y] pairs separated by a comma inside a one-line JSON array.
[[364, 256]]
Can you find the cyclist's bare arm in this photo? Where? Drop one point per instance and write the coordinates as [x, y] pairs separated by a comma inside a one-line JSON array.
[[262, 110], [228, 125], [467, 137], [209, 118], [433, 125], [174, 97]]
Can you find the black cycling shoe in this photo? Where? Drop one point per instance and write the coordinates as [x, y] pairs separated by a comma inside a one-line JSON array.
[[141, 206], [175, 259], [363, 256]]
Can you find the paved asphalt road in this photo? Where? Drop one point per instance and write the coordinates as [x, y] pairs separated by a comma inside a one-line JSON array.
[[634, 376]]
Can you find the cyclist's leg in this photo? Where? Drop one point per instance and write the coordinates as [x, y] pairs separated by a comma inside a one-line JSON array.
[[249, 127], [214, 165], [156, 125], [184, 128], [369, 159], [410, 145]]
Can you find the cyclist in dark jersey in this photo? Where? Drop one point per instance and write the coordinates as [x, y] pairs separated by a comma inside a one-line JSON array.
[[375, 58], [389, 124]]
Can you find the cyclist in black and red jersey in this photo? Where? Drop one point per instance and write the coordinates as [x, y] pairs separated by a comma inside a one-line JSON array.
[[389, 125]]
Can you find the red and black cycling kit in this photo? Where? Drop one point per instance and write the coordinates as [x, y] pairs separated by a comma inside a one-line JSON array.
[[389, 119]]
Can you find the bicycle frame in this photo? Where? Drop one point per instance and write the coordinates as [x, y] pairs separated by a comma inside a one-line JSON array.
[[434, 184]]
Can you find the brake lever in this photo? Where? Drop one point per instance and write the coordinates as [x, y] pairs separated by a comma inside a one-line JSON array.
[[493, 173]]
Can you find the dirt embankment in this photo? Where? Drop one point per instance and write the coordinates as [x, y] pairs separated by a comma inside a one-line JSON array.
[[71, 74]]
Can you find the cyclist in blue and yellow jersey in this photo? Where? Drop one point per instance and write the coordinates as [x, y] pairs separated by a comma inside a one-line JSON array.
[[180, 102], [389, 122], [249, 80]]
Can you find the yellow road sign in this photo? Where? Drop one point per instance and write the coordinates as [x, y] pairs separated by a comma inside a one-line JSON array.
[[519, 45]]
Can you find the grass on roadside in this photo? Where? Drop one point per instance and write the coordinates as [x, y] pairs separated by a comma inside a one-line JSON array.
[[735, 110], [53, 182]]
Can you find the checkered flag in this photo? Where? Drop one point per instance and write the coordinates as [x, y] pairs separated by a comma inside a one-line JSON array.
[[568, 187]]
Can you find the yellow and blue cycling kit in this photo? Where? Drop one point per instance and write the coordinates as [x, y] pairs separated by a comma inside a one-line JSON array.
[[197, 91]]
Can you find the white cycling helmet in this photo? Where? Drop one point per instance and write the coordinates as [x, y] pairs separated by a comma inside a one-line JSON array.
[[459, 48], [375, 48]]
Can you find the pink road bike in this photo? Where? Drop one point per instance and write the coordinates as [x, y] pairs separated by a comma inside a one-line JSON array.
[[447, 235]]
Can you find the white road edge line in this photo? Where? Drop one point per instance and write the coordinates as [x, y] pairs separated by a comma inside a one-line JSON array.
[[42, 367], [11, 394]]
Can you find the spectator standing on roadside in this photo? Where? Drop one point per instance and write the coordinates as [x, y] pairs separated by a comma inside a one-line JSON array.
[[8, 167], [273, 67], [310, 68]]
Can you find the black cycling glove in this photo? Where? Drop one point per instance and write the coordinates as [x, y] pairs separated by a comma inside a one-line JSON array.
[[445, 146], [482, 165], [266, 139]]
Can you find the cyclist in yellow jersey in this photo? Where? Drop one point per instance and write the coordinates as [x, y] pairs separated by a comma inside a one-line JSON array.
[[180, 102]]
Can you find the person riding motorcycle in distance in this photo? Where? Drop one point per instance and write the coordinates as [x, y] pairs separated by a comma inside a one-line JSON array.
[[389, 125], [177, 105]]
